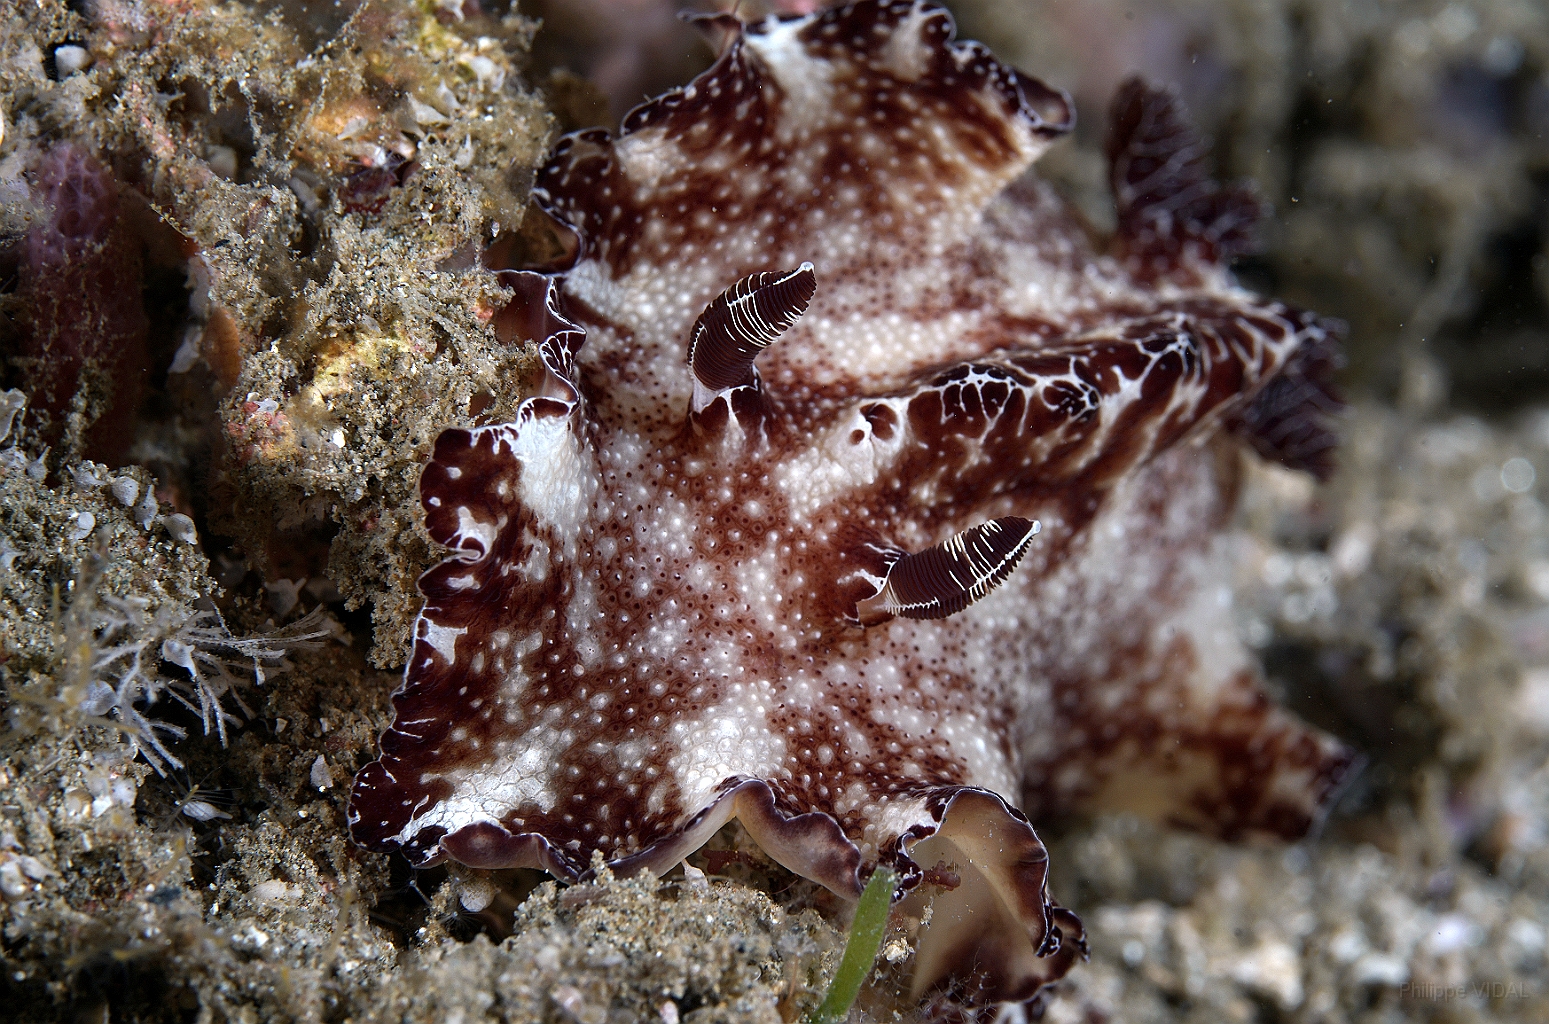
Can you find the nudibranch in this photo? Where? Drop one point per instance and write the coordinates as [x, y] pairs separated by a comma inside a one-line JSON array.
[[866, 498]]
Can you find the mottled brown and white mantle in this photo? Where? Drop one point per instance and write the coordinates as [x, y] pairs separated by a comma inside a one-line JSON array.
[[652, 618]]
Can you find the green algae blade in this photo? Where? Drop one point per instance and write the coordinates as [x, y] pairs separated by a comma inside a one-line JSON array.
[[860, 952]]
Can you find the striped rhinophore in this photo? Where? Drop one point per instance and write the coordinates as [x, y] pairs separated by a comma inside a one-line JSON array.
[[944, 579], [744, 320]]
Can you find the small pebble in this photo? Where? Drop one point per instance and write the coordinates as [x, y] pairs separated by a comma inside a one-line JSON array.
[[126, 489], [12, 883], [490, 75], [35, 869], [305, 194], [69, 59], [475, 894], [322, 778], [464, 156], [182, 528], [694, 878], [82, 525], [353, 127], [424, 113], [272, 890], [145, 514], [85, 476], [570, 999]]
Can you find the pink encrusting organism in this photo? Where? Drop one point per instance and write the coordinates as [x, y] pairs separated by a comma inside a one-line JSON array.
[[85, 344], [866, 498]]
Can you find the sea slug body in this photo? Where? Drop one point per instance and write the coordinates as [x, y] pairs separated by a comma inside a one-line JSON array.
[[866, 498]]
